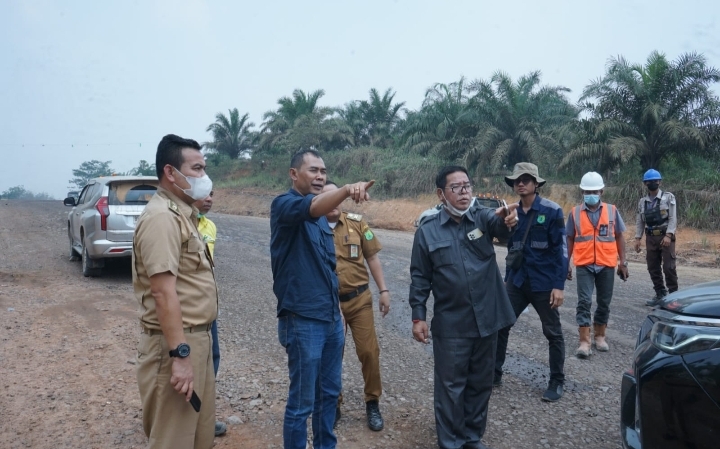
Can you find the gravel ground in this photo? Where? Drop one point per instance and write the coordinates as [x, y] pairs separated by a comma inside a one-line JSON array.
[[67, 349]]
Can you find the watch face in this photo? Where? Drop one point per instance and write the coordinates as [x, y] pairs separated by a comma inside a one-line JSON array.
[[183, 350]]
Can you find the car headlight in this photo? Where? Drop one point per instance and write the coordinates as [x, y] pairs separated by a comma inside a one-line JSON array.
[[685, 337]]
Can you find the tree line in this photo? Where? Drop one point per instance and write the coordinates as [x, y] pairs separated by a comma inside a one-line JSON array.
[[94, 169], [640, 115]]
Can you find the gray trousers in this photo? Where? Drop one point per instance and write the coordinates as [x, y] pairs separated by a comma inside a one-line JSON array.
[[463, 384], [603, 282]]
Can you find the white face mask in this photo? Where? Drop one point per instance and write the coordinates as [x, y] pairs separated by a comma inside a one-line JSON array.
[[200, 187], [453, 210]]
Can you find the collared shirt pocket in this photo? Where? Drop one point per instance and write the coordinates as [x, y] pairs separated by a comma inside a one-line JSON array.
[[441, 253], [351, 246], [193, 257], [539, 237]]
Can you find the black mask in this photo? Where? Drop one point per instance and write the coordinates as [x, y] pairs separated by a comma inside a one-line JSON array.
[[652, 186]]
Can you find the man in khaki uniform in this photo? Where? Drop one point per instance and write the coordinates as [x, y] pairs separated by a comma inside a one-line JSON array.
[[355, 244], [174, 283]]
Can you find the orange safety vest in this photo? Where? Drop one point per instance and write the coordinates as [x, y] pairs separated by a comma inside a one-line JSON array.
[[591, 248]]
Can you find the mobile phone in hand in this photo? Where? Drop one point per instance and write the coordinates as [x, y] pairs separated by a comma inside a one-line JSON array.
[[195, 401]]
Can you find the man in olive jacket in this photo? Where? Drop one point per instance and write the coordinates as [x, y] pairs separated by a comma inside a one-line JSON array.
[[453, 256]]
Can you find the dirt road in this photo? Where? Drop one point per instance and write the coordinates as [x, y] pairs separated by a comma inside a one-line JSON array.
[[67, 350]]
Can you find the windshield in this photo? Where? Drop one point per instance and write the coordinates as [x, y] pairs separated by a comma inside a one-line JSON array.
[[130, 193]]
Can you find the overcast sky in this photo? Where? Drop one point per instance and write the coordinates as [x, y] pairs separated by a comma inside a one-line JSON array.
[[105, 80]]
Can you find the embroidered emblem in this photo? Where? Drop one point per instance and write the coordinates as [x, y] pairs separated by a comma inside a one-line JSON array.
[[541, 218], [354, 217]]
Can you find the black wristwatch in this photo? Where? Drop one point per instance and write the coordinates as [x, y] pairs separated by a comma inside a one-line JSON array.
[[182, 351]]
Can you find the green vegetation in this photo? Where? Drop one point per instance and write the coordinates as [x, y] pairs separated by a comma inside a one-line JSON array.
[[660, 114], [20, 193], [94, 169]]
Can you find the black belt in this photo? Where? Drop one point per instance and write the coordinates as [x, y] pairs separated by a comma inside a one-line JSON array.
[[187, 330], [656, 231], [351, 295]]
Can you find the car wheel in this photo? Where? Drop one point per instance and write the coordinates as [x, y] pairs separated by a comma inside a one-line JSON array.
[[73, 256], [88, 269]]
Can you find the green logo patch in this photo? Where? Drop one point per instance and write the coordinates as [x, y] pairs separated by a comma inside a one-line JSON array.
[[369, 235], [541, 219]]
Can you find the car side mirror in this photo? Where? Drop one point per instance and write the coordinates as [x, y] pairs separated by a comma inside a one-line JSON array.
[[69, 201]]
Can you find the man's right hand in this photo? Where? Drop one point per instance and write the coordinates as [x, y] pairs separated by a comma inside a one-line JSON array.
[[569, 275], [420, 332], [358, 191], [637, 245], [182, 377]]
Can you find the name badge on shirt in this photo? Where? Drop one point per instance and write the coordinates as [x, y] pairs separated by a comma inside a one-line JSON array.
[[603, 230], [475, 234], [353, 251]]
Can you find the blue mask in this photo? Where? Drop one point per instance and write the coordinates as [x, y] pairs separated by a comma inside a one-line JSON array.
[[591, 200]]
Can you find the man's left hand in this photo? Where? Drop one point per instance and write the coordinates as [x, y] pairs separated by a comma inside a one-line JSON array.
[[384, 303], [623, 272], [557, 297], [666, 241], [509, 213]]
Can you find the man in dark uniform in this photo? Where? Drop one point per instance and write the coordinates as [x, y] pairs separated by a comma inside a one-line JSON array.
[[453, 256], [355, 244], [540, 279], [174, 283], [302, 256], [656, 218]]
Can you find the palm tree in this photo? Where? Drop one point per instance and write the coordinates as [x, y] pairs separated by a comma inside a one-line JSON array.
[[231, 134], [516, 121], [380, 116], [300, 123], [444, 125], [654, 111]]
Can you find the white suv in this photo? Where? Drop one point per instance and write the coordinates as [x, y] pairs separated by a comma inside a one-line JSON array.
[[102, 221]]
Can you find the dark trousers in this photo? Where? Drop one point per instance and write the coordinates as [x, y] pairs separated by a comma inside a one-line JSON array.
[[215, 347], [603, 283], [463, 384], [550, 318], [661, 260]]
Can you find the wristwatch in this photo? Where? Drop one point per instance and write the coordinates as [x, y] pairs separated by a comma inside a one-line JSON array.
[[624, 264], [182, 351]]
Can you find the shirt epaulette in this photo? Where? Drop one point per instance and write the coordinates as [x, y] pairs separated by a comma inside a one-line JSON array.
[[354, 217], [173, 207]]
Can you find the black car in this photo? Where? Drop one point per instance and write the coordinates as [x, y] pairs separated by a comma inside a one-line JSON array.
[[670, 398]]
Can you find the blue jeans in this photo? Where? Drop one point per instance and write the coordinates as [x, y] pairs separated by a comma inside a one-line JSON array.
[[215, 347], [603, 283], [314, 350]]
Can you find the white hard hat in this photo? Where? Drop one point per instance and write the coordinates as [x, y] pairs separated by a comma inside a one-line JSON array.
[[592, 181]]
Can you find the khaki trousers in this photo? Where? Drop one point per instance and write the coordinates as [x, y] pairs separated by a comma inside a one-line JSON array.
[[168, 420], [358, 314]]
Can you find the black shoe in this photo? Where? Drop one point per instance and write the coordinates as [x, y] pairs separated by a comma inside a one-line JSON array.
[[374, 418], [220, 428], [554, 391], [497, 381], [657, 299], [337, 416]]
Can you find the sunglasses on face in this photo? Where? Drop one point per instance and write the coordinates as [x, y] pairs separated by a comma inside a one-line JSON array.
[[524, 180]]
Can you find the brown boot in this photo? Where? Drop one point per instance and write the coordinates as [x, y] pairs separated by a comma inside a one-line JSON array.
[[584, 351], [600, 343]]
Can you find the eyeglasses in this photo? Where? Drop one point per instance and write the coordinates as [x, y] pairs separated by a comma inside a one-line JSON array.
[[524, 180], [461, 188]]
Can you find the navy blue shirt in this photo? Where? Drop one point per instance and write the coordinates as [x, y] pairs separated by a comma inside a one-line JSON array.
[[302, 255], [545, 257]]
